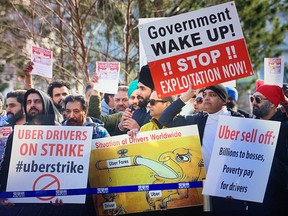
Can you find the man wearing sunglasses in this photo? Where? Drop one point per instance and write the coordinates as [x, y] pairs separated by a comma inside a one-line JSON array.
[[156, 107], [198, 102], [265, 102]]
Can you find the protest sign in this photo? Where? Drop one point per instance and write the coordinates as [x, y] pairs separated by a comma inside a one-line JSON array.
[[156, 158], [108, 73], [203, 47], [43, 62], [274, 71], [4, 133], [241, 159], [142, 56], [49, 158]]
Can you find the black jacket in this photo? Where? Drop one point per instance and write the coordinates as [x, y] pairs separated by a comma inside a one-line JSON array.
[[141, 116], [276, 195], [170, 117]]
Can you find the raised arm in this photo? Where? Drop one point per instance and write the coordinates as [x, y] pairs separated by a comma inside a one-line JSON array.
[[28, 77], [170, 117]]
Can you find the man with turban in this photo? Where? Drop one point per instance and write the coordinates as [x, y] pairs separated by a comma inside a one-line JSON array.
[[265, 102]]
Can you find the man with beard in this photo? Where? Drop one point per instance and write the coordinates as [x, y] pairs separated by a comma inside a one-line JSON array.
[[39, 110], [14, 107], [131, 120], [57, 91], [16, 116], [265, 102], [76, 115], [119, 123]]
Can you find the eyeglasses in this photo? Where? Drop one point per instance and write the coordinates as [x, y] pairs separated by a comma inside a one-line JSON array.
[[153, 102], [199, 100], [257, 99]]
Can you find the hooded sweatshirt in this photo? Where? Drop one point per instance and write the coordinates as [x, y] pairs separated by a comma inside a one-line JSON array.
[[50, 114]]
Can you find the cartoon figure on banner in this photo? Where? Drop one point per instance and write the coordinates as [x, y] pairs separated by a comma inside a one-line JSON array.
[[179, 160], [178, 165], [109, 198]]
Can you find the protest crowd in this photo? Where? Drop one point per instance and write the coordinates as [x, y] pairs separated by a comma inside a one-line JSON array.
[[61, 107], [137, 108]]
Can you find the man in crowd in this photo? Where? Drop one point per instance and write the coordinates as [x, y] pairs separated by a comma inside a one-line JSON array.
[[214, 100], [265, 102], [15, 107], [121, 101], [58, 90], [94, 110], [198, 102], [76, 115], [132, 95], [140, 116], [156, 107], [39, 110]]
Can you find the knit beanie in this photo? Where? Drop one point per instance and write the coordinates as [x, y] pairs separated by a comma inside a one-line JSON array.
[[132, 87], [145, 77], [273, 93], [232, 92], [220, 90]]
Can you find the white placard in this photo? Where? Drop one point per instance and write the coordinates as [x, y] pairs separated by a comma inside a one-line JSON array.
[[241, 159], [43, 62], [274, 71], [49, 158], [108, 73]]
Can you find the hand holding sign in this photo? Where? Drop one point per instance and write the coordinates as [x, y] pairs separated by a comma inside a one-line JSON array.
[[6, 203]]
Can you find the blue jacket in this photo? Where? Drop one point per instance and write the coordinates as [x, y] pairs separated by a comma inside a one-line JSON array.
[[98, 127], [141, 116]]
